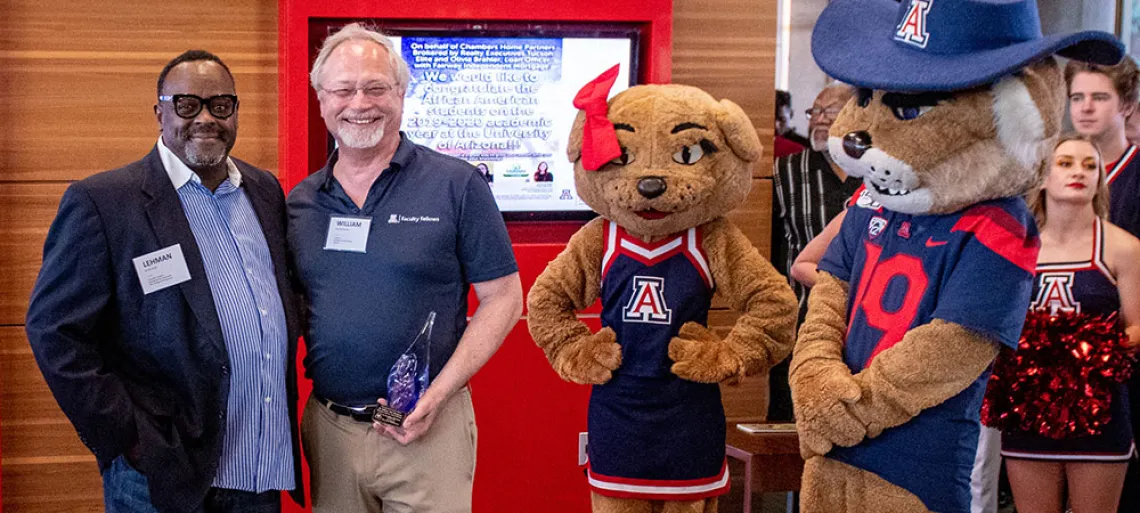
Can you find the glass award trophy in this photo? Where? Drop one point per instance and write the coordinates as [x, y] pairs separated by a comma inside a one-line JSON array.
[[408, 378]]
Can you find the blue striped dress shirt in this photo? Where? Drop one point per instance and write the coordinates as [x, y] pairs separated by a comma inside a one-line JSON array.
[[257, 454]]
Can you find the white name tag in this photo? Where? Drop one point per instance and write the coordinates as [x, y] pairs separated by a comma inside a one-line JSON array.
[[161, 269], [348, 234]]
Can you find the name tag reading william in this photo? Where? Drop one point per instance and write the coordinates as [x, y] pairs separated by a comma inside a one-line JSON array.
[[348, 234], [161, 269]]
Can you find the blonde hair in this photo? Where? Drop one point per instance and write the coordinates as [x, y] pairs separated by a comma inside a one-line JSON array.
[[358, 32], [1036, 199]]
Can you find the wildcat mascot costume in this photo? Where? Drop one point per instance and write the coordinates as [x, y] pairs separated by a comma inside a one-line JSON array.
[[959, 103], [661, 164]]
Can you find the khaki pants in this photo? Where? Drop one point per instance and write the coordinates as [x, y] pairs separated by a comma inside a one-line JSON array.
[[355, 469]]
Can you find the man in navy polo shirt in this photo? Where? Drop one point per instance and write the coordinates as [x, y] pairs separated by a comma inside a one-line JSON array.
[[387, 232]]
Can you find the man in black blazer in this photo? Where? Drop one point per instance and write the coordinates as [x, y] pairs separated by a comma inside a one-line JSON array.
[[163, 318]]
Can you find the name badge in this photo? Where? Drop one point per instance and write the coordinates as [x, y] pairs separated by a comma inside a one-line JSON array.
[[161, 269], [348, 234]]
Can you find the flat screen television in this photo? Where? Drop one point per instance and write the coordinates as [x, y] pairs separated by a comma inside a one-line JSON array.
[[500, 96]]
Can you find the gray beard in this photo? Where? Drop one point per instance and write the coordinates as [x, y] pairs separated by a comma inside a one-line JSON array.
[[203, 159], [816, 145], [361, 138]]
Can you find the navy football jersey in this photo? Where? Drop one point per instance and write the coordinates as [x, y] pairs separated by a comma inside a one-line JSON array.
[[653, 435], [1124, 191], [1078, 287], [973, 268]]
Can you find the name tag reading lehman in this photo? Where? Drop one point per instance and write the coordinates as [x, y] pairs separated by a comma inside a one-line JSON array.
[[161, 269], [408, 378], [348, 234]]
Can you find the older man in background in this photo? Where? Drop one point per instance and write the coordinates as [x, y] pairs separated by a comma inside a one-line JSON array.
[[808, 191]]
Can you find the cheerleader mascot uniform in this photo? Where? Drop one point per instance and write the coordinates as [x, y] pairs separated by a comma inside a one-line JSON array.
[[1081, 288]]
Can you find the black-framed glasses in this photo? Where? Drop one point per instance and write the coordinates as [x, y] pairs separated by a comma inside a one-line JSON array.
[[188, 106], [831, 113]]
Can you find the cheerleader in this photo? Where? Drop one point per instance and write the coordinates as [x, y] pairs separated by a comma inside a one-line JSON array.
[[1086, 266]]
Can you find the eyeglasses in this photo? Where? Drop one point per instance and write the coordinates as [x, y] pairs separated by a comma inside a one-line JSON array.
[[373, 91], [188, 106], [831, 113]]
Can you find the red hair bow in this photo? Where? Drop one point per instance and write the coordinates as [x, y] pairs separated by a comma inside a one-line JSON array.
[[599, 140]]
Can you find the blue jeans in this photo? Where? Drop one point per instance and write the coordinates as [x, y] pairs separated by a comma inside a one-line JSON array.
[[125, 491]]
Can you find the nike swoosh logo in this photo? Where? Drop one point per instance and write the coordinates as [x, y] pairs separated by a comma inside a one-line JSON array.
[[931, 243]]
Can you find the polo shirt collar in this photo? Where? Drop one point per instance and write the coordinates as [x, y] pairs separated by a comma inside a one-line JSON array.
[[405, 153], [180, 173]]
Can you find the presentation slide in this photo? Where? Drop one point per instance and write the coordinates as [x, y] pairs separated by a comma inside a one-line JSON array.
[[505, 104]]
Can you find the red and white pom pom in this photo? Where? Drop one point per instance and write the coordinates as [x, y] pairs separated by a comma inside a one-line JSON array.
[[1061, 380]]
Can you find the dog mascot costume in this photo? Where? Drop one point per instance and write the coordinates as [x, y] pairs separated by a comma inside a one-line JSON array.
[[662, 164], [958, 105]]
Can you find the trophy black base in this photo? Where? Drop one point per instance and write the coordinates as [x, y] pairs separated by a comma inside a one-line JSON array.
[[388, 415]]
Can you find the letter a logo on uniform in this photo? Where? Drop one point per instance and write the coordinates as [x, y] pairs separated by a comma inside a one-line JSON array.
[[647, 304], [1056, 294], [913, 29]]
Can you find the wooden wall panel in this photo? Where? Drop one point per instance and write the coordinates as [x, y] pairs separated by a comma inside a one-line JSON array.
[[728, 48], [24, 398], [42, 455], [77, 90], [79, 79], [754, 217], [26, 211], [55, 487]]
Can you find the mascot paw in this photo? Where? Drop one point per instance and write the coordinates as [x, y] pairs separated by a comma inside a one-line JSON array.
[[812, 445], [591, 360], [699, 355], [823, 417], [867, 416]]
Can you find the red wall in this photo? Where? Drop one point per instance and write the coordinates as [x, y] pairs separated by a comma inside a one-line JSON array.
[[528, 418]]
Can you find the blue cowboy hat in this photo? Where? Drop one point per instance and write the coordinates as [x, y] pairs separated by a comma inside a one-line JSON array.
[[942, 45]]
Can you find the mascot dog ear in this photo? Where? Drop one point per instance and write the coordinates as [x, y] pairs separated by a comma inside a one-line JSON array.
[[1027, 112], [574, 147], [738, 131]]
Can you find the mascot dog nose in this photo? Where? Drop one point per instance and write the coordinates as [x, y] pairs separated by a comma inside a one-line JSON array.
[[651, 186], [856, 144]]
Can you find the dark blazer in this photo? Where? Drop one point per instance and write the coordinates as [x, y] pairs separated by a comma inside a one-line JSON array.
[[146, 375]]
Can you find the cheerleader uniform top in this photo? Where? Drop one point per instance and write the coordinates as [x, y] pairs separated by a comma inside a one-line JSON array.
[[1078, 287], [653, 435]]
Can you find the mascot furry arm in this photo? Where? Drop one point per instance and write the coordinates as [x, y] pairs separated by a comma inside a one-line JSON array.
[[572, 282], [765, 331], [835, 407], [761, 337]]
